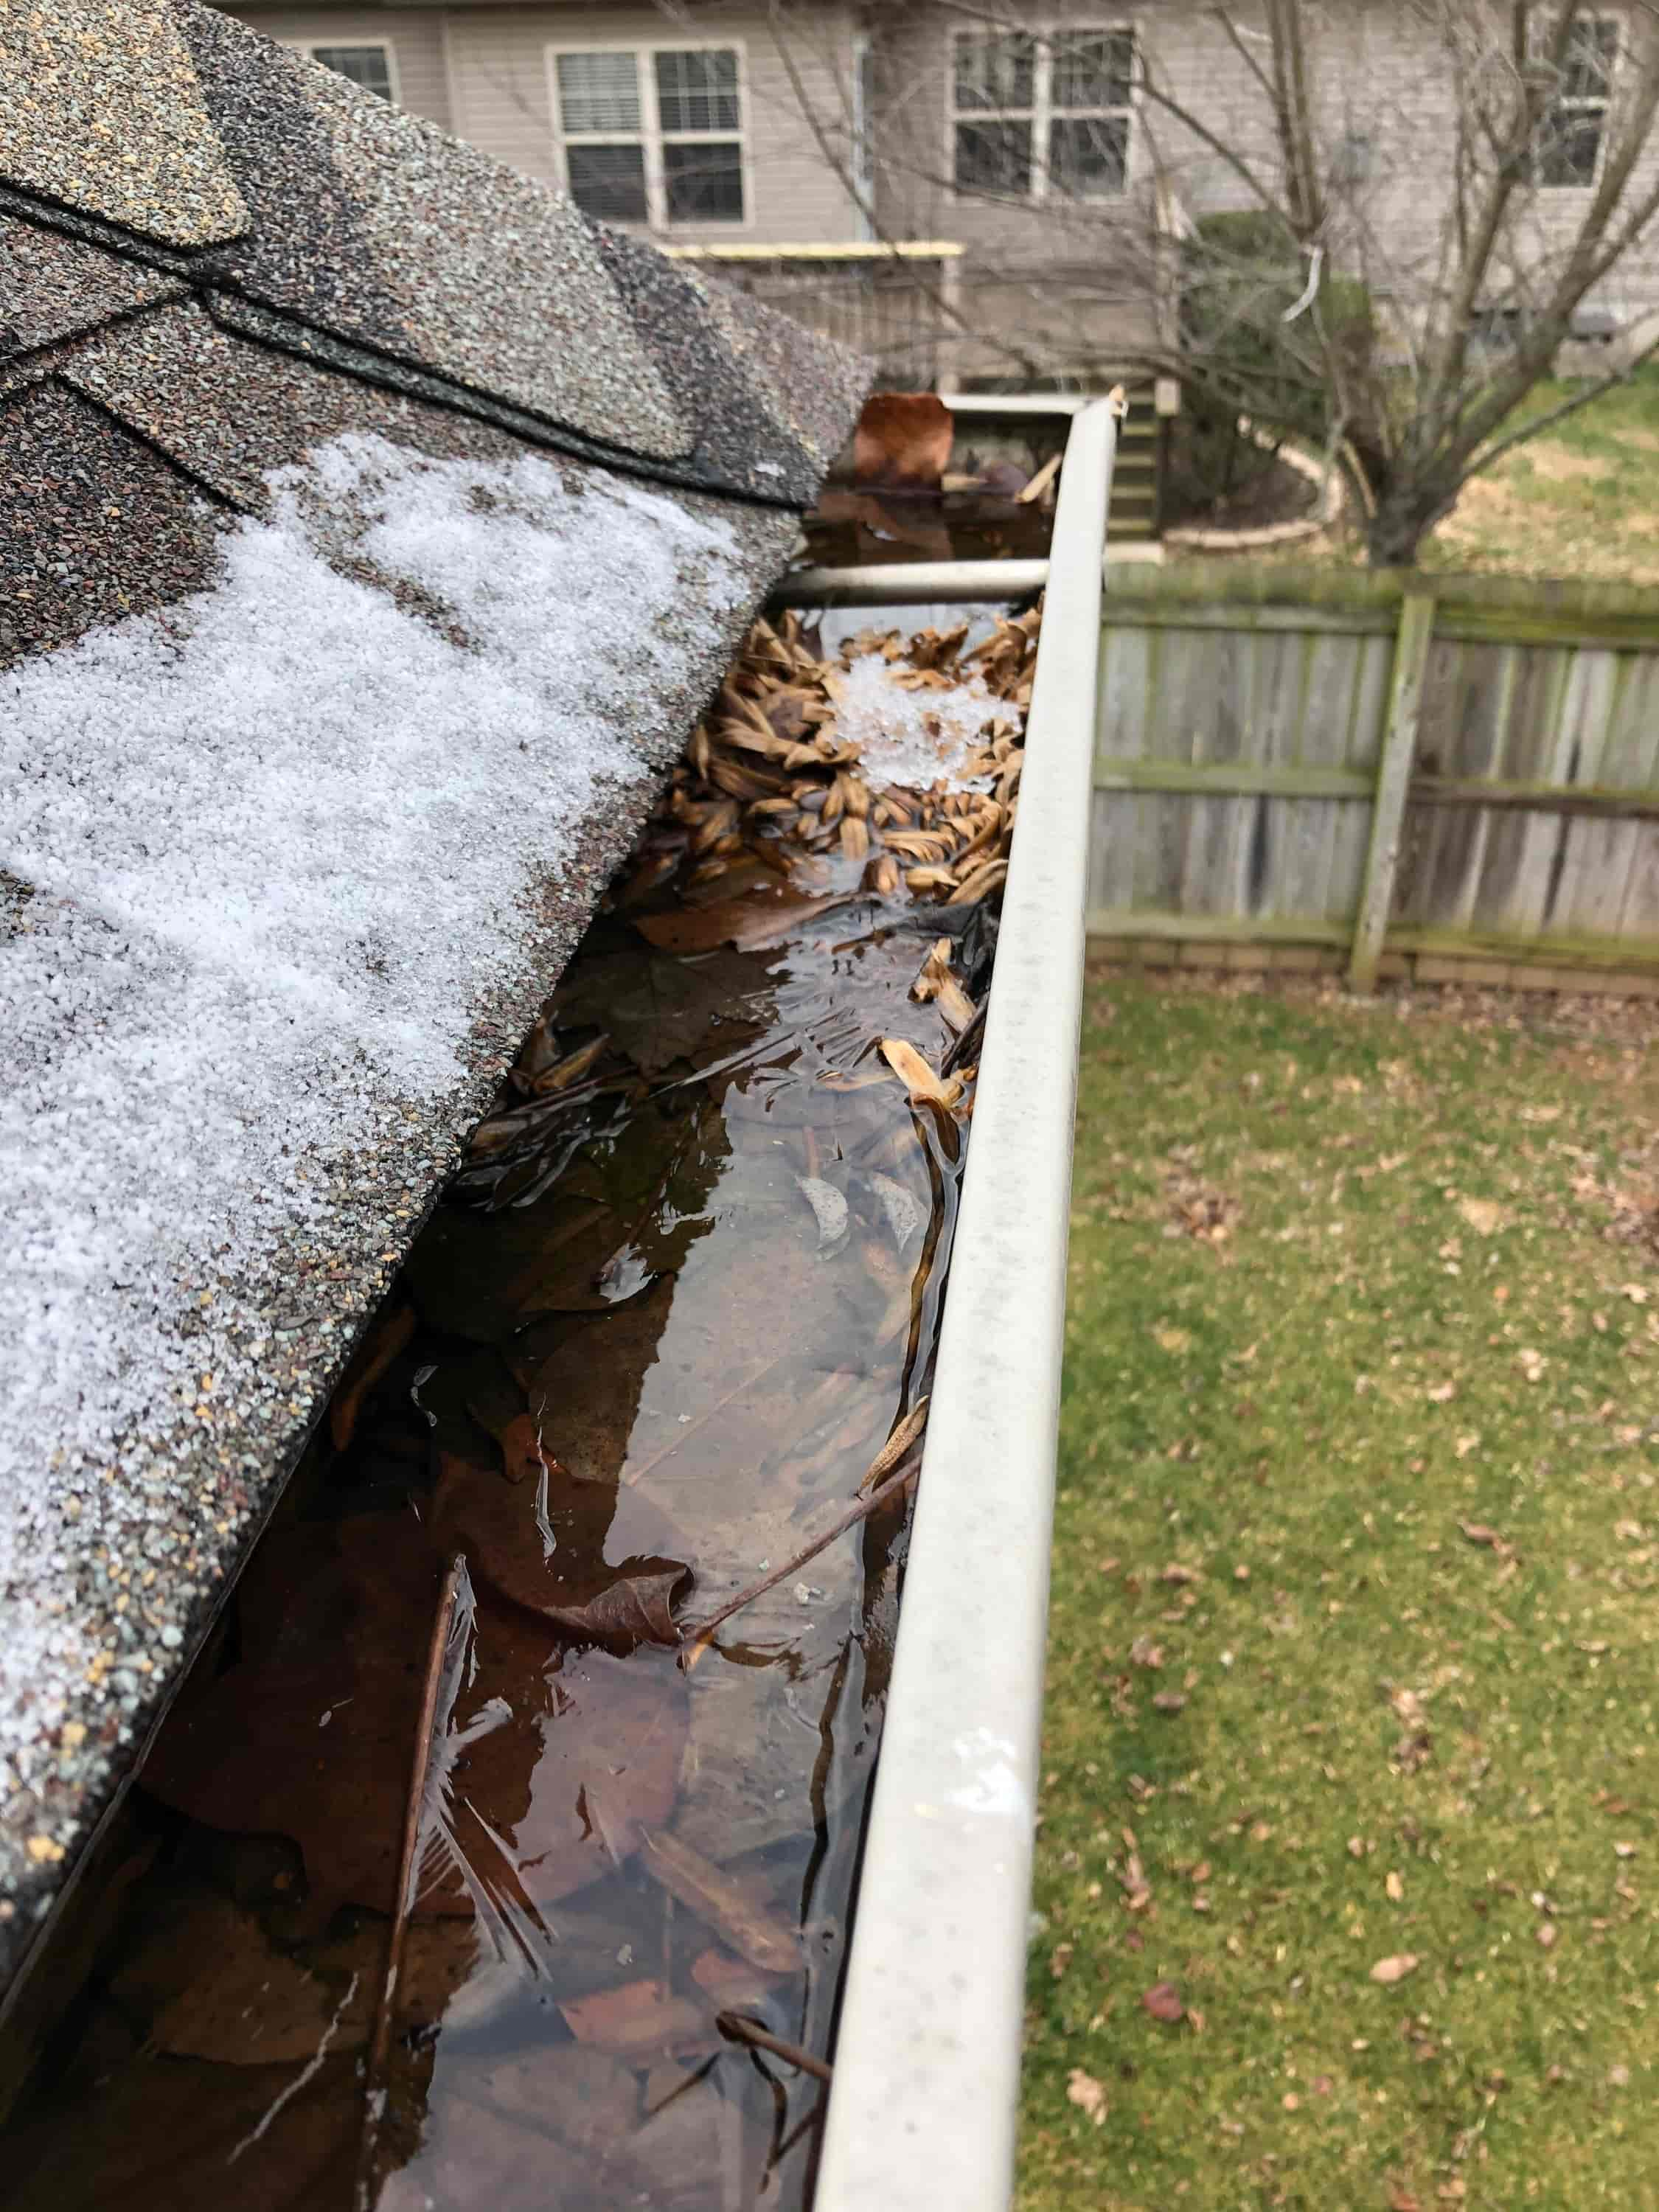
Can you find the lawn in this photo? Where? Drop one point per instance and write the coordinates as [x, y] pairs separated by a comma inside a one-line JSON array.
[[1582, 500], [1346, 1876]]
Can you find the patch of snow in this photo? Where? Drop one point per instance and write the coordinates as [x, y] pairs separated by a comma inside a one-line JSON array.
[[282, 843], [916, 739]]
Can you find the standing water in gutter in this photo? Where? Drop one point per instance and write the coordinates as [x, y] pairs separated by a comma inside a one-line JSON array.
[[501, 1852]]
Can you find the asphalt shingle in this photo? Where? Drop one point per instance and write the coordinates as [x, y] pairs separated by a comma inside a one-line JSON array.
[[103, 111]]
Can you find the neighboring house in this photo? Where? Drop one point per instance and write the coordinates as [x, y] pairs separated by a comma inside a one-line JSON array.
[[963, 198], [373, 530]]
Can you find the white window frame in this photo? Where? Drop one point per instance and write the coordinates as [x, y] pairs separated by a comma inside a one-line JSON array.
[[651, 136], [1562, 103], [311, 47], [1044, 33]]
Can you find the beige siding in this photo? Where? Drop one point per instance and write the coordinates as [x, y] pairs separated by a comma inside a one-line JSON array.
[[415, 36], [794, 194], [1380, 73]]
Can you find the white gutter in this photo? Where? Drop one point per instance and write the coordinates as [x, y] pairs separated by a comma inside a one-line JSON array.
[[925, 2102], [900, 583]]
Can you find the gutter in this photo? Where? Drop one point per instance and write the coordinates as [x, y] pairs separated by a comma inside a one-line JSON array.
[[925, 2102]]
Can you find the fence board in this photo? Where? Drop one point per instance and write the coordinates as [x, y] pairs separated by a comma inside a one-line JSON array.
[[1263, 674]]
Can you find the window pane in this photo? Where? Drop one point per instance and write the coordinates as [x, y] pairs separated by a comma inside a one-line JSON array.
[[608, 181], [1089, 157], [368, 66], [698, 91], [994, 70], [1094, 71], [993, 157], [598, 92], [1591, 52], [1569, 154], [704, 181]]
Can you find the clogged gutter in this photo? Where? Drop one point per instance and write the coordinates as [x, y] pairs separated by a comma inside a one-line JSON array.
[[657, 1371]]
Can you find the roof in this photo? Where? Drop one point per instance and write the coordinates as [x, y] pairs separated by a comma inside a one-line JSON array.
[[372, 527]]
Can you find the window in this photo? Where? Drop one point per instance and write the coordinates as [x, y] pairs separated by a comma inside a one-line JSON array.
[[1569, 150], [652, 137], [368, 66], [1041, 114]]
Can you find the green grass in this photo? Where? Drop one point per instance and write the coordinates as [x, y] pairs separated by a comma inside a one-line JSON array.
[[1581, 501], [1396, 1737]]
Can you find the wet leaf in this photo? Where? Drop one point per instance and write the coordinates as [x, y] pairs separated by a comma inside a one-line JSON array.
[[1388, 1972], [925, 1086], [249, 2005], [639, 2019], [829, 1207], [1164, 2002], [569, 1760], [750, 924], [1088, 2094], [727, 1903], [386, 1337], [596, 1563]]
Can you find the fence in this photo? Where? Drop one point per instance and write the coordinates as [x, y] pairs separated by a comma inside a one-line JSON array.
[[1378, 767]]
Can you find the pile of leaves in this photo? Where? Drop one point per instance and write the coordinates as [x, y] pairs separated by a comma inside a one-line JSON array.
[[770, 784]]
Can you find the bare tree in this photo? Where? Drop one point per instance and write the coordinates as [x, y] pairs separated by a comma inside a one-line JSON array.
[[1375, 226]]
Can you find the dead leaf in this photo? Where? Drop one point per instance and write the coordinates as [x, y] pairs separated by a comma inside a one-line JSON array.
[[1484, 1215], [571, 1758], [763, 918], [1441, 1393], [926, 1088], [386, 1337], [1388, 1972], [1087, 2094], [1395, 1887], [1173, 1340], [903, 439], [600, 1565], [724, 1901], [1164, 2002]]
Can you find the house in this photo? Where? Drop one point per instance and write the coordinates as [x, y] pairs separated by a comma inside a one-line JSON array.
[[372, 527], [980, 202]]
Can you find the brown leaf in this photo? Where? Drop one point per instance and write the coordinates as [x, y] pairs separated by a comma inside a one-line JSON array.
[[903, 439], [639, 2017], [1164, 2002], [924, 1087], [750, 924], [1169, 1701], [382, 1341], [596, 1563], [1388, 1972], [728, 1904], [1087, 2094], [248, 2005], [569, 1761]]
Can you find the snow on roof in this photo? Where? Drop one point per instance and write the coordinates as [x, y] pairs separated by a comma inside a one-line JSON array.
[[356, 586]]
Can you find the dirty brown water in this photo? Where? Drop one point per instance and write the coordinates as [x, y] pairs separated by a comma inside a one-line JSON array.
[[644, 1352]]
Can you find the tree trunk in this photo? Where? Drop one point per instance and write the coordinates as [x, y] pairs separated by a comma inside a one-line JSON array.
[[1404, 517]]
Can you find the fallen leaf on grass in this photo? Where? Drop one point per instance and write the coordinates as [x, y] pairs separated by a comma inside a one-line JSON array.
[[1395, 1888], [1087, 2094], [1164, 2000], [1479, 1532], [1441, 1393], [1532, 1364], [1172, 1340], [1484, 1215], [1169, 1701], [1388, 1972]]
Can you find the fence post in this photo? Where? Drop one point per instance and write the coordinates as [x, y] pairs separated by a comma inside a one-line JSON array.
[[1394, 769]]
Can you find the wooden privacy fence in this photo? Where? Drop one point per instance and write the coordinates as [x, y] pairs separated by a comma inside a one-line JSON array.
[[1459, 769]]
